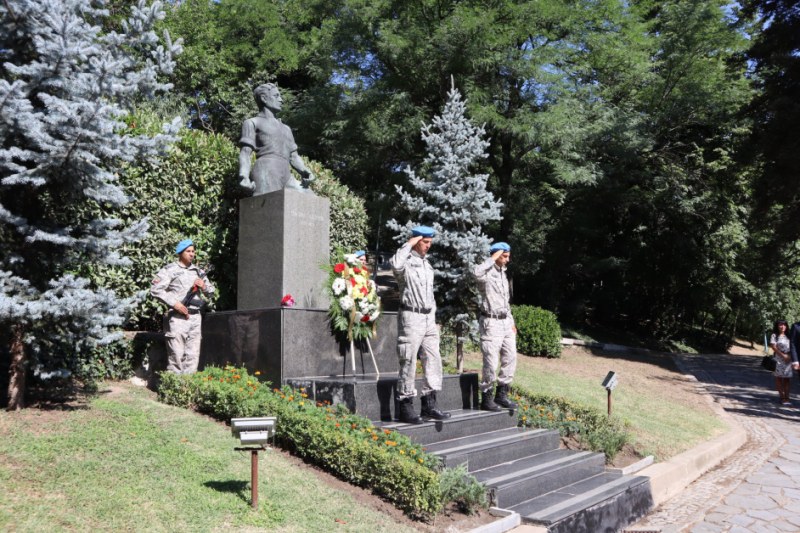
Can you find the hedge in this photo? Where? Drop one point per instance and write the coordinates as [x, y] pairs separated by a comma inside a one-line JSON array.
[[346, 445]]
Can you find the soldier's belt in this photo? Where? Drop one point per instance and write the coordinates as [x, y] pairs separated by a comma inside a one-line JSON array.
[[191, 310], [422, 310], [500, 316]]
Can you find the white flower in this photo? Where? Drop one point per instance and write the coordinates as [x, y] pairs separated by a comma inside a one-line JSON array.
[[359, 316], [352, 259], [364, 305], [346, 303], [338, 286]]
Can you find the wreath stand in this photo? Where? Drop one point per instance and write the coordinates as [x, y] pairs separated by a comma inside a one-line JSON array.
[[353, 357]]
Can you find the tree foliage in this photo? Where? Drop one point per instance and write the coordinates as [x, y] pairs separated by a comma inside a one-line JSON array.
[[456, 203], [65, 86]]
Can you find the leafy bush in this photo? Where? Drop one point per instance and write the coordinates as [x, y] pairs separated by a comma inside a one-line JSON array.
[[349, 222], [592, 428], [346, 445], [538, 332], [459, 486], [192, 191]]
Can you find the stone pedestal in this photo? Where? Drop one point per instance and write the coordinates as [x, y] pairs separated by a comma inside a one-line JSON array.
[[284, 239], [292, 342]]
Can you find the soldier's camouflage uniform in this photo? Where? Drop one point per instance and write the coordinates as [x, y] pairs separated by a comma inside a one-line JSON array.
[[416, 323], [183, 334]]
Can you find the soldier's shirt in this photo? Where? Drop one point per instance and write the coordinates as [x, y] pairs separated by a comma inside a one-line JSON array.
[[173, 282]]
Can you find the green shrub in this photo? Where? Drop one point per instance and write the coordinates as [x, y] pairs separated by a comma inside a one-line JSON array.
[[459, 486], [349, 221], [538, 332], [192, 191], [591, 427], [347, 445]]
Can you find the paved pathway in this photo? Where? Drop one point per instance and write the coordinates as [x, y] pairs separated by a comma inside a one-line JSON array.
[[757, 489]]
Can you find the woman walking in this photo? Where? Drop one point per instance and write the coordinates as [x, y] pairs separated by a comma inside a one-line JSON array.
[[779, 342]]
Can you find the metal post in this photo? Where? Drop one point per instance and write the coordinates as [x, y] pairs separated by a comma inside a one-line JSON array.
[[254, 477], [609, 402]]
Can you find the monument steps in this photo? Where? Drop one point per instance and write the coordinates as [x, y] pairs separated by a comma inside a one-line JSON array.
[[524, 470]]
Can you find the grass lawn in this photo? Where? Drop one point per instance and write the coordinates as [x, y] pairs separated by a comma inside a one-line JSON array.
[[125, 462], [666, 413]]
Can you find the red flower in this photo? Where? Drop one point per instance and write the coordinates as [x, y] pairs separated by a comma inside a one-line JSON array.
[[353, 282], [357, 270], [365, 318], [287, 301], [364, 291], [338, 268]]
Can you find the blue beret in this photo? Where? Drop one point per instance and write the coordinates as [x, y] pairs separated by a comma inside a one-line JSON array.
[[184, 244], [500, 246], [423, 231], [359, 253]]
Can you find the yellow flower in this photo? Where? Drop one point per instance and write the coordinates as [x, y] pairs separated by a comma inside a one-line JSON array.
[[258, 372], [419, 460]]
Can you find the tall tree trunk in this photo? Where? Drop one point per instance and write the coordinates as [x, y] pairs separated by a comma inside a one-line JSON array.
[[16, 382]]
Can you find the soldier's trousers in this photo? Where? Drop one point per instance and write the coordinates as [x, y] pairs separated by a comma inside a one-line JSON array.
[[183, 337], [417, 333], [498, 341]]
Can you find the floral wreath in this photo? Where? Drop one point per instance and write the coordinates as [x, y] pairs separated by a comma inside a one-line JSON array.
[[355, 305]]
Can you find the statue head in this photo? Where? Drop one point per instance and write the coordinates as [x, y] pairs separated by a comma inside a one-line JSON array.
[[267, 95]]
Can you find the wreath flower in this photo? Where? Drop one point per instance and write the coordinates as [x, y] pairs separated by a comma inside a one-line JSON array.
[[355, 305]]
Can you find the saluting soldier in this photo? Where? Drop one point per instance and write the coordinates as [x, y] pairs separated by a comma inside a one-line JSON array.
[[416, 327], [497, 328], [179, 285]]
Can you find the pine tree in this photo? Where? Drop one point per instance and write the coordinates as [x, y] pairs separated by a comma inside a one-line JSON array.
[[67, 83], [457, 204]]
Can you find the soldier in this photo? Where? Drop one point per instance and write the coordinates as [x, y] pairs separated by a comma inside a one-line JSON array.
[[416, 327], [498, 332], [178, 285]]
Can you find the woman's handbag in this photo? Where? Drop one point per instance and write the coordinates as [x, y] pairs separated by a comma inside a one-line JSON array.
[[768, 363]]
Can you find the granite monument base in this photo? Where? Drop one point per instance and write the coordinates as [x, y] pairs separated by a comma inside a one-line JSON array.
[[292, 342], [284, 240]]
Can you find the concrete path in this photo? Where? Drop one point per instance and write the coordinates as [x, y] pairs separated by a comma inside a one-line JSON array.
[[757, 488]]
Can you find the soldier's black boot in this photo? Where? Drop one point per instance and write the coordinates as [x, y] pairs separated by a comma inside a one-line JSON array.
[[487, 403], [429, 409], [407, 414], [501, 397]]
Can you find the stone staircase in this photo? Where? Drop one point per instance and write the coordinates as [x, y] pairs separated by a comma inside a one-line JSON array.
[[524, 470]]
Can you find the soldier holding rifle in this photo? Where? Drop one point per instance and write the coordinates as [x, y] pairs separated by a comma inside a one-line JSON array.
[[179, 285]]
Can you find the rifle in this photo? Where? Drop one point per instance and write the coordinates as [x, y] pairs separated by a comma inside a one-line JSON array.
[[193, 291]]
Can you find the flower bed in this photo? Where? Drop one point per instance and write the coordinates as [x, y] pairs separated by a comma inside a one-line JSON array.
[[344, 444]]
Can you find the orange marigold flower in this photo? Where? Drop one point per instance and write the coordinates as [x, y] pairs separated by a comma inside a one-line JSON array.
[[338, 425], [304, 395], [374, 437], [391, 443], [386, 431]]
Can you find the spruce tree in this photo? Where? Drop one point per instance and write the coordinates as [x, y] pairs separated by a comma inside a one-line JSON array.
[[66, 84], [456, 203]]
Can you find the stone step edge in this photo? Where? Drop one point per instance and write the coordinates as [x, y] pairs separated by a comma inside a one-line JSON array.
[[594, 497], [537, 470], [511, 438]]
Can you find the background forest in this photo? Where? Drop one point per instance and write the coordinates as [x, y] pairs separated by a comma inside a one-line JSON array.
[[645, 152]]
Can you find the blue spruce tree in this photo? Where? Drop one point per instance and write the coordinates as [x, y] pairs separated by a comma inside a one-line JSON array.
[[456, 203], [66, 84]]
